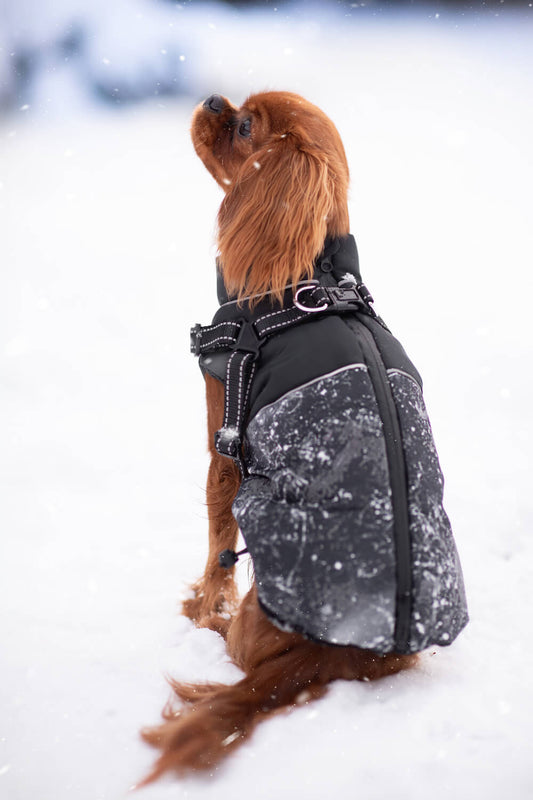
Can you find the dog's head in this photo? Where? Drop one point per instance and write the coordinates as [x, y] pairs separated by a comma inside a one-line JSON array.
[[282, 165]]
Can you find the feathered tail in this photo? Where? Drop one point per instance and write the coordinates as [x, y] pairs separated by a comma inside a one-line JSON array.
[[216, 718]]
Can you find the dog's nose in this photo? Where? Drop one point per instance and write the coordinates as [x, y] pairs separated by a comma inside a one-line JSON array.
[[214, 103]]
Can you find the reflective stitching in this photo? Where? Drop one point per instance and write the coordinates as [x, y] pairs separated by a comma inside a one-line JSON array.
[[241, 381], [218, 339], [273, 327], [250, 381], [226, 400], [273, 314], [211, 328]]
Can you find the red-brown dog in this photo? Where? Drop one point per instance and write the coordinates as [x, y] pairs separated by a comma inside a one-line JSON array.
[[282, 166]]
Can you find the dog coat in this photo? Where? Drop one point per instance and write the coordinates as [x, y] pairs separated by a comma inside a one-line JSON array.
[[340, 505]]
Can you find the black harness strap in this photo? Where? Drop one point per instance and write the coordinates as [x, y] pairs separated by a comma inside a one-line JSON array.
[[239, 376], [213, 337], [246, 337]]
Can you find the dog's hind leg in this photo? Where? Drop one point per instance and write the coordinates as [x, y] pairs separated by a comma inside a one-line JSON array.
[[215, 593]]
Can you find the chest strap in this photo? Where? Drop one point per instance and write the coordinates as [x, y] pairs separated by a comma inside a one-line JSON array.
[[246, 337]]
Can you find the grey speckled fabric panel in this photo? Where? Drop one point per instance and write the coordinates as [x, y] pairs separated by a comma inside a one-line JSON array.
[[316, 512], [439, 602]]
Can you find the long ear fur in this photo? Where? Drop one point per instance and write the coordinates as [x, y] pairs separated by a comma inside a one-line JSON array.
[[273, 221]]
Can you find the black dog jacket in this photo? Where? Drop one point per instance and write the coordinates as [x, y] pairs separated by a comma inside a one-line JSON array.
[[341, 499]]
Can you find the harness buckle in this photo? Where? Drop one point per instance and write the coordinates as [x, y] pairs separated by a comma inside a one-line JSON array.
[[248, 341], [196, 339], [332, 298], [344, 297]]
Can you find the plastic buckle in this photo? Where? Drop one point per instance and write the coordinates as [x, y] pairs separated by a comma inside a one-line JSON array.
[[195, 339], [344, 297], [248, 341]]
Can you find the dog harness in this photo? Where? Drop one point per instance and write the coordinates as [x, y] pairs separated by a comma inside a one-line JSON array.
[[340, 503]]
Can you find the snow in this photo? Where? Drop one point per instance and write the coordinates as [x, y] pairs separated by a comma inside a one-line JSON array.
[[108, 258]]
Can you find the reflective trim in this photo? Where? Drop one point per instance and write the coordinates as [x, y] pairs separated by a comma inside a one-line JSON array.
[[311, 382], [394, 371]]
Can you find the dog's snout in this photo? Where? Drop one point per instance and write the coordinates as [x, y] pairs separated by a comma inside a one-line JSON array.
[[214, 103]]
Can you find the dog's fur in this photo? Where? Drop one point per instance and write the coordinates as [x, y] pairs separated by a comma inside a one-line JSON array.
[[285, 177]]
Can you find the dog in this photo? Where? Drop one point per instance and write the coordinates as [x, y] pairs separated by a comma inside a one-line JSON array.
[[282, 166]]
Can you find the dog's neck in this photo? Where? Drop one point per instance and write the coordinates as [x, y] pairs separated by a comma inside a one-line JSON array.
[[338, 261]]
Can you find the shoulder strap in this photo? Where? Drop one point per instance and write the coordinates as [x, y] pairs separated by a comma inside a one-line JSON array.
[[246, 337]]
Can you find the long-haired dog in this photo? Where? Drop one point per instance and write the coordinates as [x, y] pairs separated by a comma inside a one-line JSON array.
[[282, 166]]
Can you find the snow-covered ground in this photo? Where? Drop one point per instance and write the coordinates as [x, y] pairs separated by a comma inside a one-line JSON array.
[[107, 258]]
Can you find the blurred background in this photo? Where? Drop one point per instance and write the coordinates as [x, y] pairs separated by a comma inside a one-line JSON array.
[[58, 56], [107, 225]]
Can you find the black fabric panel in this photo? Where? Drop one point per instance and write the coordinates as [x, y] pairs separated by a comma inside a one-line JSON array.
[[293, 357], [391, 351], [300, 355], [309, 350]]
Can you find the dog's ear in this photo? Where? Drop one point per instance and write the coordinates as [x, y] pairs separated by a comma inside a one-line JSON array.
[[274, 218]]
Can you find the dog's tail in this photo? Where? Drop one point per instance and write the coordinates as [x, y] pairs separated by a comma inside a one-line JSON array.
[[216, 718]]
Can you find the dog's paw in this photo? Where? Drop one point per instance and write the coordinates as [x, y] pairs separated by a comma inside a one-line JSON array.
[[211, 610], [218, 622], [192, 607]]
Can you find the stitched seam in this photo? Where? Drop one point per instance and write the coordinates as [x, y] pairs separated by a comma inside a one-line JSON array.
[[218, 339], [241, 381], [211, 328], [250, 381], [227, 399], [286, 310], [274, 314], [278, 325]]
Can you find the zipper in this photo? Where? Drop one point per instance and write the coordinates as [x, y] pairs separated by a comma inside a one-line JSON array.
[[398, 480]]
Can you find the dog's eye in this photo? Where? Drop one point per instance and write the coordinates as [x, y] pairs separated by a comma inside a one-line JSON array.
[[245, 128]]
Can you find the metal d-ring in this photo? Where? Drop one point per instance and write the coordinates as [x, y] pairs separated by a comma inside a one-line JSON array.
[[307, 287]]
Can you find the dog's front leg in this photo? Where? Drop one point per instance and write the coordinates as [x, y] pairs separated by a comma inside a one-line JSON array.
[[215, 593]]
